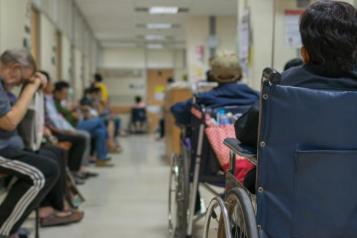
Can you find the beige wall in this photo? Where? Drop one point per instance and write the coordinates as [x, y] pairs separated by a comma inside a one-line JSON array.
[[13, 17], [197, 34], [123, 89], [48, 46], [66, 58]]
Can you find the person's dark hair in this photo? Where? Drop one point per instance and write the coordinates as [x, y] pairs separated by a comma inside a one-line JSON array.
[[170, 80], [47, 75], [18, 56], [328, 31], [94, 90], [138, 99], [293, 63], [60, 85], [98, 78]]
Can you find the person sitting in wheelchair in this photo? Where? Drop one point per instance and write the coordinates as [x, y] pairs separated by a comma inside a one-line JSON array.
[[329, 52], [138, 115], [227, 72]]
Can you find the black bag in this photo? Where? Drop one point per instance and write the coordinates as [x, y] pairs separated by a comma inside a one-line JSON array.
[[246, 127]]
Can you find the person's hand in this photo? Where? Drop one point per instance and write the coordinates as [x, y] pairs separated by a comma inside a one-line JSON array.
[[39, 80]]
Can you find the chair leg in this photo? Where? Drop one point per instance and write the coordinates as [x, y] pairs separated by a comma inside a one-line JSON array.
[[37, 223]]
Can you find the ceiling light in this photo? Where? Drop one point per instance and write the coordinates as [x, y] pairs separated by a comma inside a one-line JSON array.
[[155, 37], [163, 10], [159, 26], [155, 46]]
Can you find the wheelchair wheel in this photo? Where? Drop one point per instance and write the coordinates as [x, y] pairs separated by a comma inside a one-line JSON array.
[[177, 199], [241, 214], [217, 220]]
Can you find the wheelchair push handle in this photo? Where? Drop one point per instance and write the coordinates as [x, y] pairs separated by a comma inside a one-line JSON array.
[[271, 76]]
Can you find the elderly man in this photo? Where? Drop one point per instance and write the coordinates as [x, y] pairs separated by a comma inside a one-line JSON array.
[[36, 174]]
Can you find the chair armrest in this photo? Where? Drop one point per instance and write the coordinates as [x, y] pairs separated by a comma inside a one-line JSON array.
[[237, 148]]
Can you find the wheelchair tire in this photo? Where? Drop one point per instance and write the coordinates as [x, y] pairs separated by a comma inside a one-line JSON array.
[[241, 214], [177, 212], [217, 212]]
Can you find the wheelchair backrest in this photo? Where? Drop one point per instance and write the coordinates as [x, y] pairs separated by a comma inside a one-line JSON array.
[[307, 163], [138, 114]]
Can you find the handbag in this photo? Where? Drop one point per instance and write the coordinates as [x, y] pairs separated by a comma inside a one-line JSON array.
[[32, 125]]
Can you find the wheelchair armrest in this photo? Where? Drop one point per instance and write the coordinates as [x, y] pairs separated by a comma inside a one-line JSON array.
[[239, 149]]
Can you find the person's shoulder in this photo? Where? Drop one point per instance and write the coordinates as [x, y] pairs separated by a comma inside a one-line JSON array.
[[294, 74]]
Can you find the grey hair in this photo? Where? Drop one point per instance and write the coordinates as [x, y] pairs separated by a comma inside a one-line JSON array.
[[18, 56]]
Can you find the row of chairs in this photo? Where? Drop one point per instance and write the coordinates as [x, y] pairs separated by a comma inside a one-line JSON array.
[[306, 160]]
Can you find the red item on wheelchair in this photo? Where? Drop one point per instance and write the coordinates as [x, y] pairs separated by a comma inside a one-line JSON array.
[[216, 135]]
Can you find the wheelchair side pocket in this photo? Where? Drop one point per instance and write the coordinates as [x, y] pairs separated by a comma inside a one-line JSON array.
[[325, 194]]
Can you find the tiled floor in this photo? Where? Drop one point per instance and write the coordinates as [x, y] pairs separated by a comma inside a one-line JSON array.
[[127, 201]]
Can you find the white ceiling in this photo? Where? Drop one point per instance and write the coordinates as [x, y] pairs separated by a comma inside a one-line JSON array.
[[114, 22]]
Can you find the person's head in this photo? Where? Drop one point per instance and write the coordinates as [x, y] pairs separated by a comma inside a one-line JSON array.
[[16, 67], [98, 78], [60, 91], [293, 63], [170, 80], [328, 31], [94, 92], [225, 68], [49, 86], [138, 99]]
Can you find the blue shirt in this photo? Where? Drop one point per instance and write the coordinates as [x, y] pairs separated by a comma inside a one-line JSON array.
[[230, 94], [8, 138]]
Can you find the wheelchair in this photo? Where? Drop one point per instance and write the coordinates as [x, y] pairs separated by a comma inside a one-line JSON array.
[[196, 166], [138, 121], [306, 160]]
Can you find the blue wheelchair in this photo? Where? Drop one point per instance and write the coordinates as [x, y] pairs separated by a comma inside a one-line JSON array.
[[306, 169], [196, 166]]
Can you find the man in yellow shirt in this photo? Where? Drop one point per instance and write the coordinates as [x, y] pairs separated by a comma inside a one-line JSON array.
[[98, 82]]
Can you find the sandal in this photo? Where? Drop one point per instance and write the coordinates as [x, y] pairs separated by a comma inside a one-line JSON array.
[[55, 220]]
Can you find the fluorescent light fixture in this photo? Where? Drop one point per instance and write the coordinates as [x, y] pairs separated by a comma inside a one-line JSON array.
[[159, 26], [155, 46], [155, 37], [163, 10]]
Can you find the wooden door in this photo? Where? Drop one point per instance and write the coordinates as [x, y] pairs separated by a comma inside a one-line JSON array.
[[59, 55], [35, 35], [156, 86]]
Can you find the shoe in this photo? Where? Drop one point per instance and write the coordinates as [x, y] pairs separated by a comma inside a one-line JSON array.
[[104, 164], [54, 220], [88, 175], [78, 180]]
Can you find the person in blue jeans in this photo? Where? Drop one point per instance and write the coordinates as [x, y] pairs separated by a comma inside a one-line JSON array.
[[95, 126]]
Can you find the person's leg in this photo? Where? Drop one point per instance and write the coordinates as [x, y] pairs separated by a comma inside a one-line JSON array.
[[36, 176], [77, 150], [117, 123], [250, 180], [55, 197], [100, 137], [88, 142]]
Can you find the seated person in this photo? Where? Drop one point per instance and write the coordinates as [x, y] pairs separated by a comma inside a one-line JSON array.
[[92, 106], [330, 60], [98, 83], [65, 132], [138, 115], [94, 126], [53, 210], [36, 174], [227, 72]]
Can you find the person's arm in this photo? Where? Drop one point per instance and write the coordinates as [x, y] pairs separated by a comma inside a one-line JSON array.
[[11, 119], [182, 112], [246, 127]]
